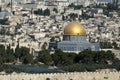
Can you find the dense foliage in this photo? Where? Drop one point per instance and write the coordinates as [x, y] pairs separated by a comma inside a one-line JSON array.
[[86, 60], [109, 7], [9, 69], [75, 6], [45, 12], [7, 55], [106, 45]]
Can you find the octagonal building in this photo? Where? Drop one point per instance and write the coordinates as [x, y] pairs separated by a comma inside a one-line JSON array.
[[74, 39]]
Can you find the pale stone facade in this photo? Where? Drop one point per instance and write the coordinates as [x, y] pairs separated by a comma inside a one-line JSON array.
[[64, 76]]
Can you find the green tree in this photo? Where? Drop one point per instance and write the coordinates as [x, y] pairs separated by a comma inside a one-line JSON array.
[[55, 10], [71, 5], [110, 56], [6, 55], [2, 49], [9, 50], [47, 78], [46, 12], [62, 58], [23, 54], [105, 45], [100, 57], [40, 12], [57, 57], [45, 57], [103, 57], [0, 9], [63, 17], [17, 52], [52, 39], [9, 58], [86, 56], [3, 31], [1, 60], [28, 58], [78, 7], [44, 46], [115, 46], [9, 54]]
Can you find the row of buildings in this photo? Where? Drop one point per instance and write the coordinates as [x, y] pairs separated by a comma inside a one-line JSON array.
[[60, 2], [36, 31]]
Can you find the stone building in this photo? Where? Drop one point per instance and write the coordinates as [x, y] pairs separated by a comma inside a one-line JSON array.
[[74, 40]]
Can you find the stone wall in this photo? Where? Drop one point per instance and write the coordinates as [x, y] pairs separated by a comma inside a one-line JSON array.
[[64, 76]]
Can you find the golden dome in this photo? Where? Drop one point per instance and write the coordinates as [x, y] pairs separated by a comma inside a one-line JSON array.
[[74, 28]]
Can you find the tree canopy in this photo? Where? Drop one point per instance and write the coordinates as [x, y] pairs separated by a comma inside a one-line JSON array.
[[86, 60], [45, 12]]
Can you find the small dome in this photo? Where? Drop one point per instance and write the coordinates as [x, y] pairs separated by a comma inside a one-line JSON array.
[[74, 28]]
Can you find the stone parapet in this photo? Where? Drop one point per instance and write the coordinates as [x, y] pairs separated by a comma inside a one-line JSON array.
[[64, 76]]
